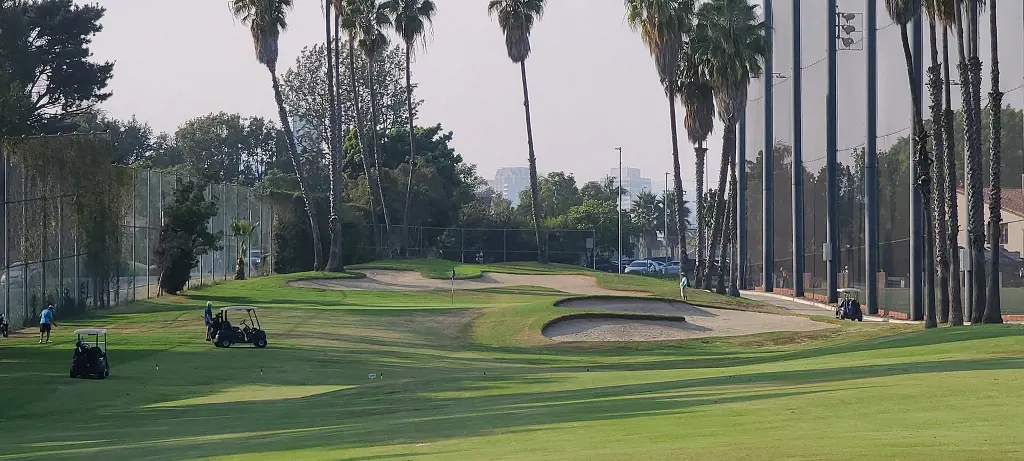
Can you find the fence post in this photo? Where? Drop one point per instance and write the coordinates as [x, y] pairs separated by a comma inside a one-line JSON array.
[[42, 250], [504, 244], [462, 252], [6, 243], [149, 227]]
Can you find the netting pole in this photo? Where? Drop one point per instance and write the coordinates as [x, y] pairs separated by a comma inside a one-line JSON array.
[[504, 244], [7, 251], [767, 173], [798, 158], [832, 225], [149, 227], [871, 163], [916, 230], [741, 199]]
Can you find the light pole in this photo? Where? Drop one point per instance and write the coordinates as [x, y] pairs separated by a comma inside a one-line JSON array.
[[618, 190], [665, 205]]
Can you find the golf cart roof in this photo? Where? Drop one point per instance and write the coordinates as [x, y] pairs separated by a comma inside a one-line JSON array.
[[238, 308], [848, 290], [91, 331]]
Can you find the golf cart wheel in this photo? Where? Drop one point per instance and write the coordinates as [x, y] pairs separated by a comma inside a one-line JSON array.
[[260, 343], [223, 342], [73, 375]]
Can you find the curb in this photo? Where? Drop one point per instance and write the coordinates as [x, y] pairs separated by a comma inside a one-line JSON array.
[[807, 302]]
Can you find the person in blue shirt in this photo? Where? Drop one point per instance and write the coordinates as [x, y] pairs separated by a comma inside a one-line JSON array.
[[46, 323], [208, 318], [683, 283]]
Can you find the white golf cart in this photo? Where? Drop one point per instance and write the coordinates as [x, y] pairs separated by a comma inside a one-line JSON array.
[[249, 330], [90, 358]]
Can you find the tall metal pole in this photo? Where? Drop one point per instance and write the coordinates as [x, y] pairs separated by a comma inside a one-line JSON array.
[[832, 254], [741, 209], [798, 157], [665, 199], [916, 230], [618, 191], [768, 178], [871, 163]]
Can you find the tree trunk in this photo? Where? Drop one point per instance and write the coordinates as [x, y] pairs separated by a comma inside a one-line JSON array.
[[924, 178], [701, 153], [971, 154], [293, 152], [677, 181], [976, 206], [728, 146], [412, 150], [993, 312], [938, 171], [375, 147], [360, 127], [734, 262], [956, 307], [334, 257], [542, 250], [240, 268], [725, 253]]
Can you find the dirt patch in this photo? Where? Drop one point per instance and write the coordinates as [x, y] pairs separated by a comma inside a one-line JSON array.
[[387, 280], [700, 322]]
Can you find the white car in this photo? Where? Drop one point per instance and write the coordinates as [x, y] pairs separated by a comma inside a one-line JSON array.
[[644, 266]]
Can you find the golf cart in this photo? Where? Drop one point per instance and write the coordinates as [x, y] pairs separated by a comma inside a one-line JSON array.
[[90, 359], [250, 331], [848, 308]]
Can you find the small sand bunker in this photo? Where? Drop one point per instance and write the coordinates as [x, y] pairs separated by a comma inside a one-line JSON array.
[[700, 322], [388, 280]]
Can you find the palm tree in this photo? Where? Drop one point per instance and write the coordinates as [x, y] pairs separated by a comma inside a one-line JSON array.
[[731, 64], [993, 312], [699, 101], [372, 43], [411, 20], [646, 212], [242, 230], [335, 257], [349, 13], [935, 88], [946, 13], [731, 231], [902, 12], [516, 19], [662, 25], [266, 20]]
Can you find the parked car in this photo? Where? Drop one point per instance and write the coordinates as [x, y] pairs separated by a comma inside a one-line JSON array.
[[672, 268], [643, 266]]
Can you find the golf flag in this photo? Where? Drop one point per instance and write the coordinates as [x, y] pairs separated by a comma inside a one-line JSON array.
[[453, 286], [453, 275]]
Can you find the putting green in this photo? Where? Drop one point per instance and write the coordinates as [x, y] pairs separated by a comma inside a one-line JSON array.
[[469, 383]]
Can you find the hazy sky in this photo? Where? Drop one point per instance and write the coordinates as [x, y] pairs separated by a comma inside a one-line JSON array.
[[593, 86]]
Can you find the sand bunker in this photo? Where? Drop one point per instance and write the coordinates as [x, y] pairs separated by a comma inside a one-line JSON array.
[[700, 322], [388, 280]]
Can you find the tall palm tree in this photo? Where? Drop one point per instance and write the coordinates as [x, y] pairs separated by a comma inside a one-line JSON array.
[[902, 12], [335, 257], [266, 20], [373, 42], [731, 65], [242, 230], [935, 87], [993, 312], [699, 101], [946, 13], [516, 19], [970, 78], [663, 25], [734, 264], [411, 19], [350, 12]]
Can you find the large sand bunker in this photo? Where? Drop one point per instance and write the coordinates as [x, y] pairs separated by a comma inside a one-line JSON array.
[[389, 280], [699, 322]]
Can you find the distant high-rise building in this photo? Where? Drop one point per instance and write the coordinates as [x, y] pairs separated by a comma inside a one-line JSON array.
[[632, 182], [510, 181]]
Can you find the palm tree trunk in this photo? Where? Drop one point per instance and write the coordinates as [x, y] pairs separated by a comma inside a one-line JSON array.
[[360, 127], [542, 251], [293, 152], [677, 181], [728, 146], [725, 253], [412, 149], [974, 171], [734, 262], [375, 147], [993, 313], [338, 133], [701, 152], [938, 170], [956, 314], [334, 257], [923, 177]]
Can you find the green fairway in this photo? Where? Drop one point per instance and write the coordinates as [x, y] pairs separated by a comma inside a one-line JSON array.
[[477, 381]]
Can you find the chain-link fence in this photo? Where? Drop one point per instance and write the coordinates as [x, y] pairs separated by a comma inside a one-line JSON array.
[[871, 123], [44, 260]]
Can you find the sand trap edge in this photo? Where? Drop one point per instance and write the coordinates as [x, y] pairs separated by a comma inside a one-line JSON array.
[[612, 316]]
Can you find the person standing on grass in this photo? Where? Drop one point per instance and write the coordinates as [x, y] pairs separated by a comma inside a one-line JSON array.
[[208, 318], [683, 283], [46, 323]]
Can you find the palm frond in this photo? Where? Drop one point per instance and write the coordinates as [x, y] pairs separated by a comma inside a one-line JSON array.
[[516, 19], [266, 20], [734, 44], [412, 19]]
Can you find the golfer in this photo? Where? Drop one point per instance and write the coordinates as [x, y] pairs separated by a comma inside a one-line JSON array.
[[683, 283], [208, 318], [46, 323]]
